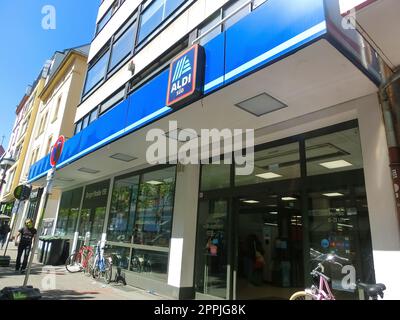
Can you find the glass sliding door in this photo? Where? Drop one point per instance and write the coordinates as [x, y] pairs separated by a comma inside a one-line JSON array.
[[338, 209], [212, 248]]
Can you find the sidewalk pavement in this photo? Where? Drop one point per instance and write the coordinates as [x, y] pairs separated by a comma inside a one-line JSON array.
[[56, 283]]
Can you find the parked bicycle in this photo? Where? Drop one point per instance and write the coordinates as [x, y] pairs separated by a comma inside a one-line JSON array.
[[80, 260], [102, 264], [323, 290]]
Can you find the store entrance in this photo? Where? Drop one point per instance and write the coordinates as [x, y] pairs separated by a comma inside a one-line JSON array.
[[270, 245]]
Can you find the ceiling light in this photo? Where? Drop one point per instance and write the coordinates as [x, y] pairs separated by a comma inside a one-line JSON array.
[[261, 105], [251, 201], [123, 157], [333, 194], [87, 170], [345, 225], [271, 224], [288, 199], [273, 212], [154, 182], [268, 175], [336, 164]]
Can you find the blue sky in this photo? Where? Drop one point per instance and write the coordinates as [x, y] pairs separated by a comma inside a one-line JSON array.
[[26, 45]]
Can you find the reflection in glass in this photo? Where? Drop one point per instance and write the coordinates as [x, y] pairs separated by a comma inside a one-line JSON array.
[[151, 264], [68, 213], [123, 209], [153, 220]]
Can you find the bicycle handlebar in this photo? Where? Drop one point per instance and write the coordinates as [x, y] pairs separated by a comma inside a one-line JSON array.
[[328, 257]]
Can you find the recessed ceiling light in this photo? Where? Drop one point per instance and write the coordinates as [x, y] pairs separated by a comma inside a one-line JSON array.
[[251, 201], [288, 199], [87, 170], [333, 194], [271, 224], [268, 175], [336, 164], [154, 182], [123, 157], [273, 212], [261, 104]]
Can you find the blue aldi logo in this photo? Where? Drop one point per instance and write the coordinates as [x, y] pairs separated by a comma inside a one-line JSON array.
[[186, 76]]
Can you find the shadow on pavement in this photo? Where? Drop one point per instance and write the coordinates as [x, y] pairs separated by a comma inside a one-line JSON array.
[[67, 295]]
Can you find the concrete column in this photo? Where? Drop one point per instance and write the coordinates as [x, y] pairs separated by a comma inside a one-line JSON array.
[[381, 201], [183, 240]]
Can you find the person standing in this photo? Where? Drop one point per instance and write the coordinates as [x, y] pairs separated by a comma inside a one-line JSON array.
[[4, 230], [26, 235]]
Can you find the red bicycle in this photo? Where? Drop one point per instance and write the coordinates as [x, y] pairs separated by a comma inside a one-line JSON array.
[[81, 260]]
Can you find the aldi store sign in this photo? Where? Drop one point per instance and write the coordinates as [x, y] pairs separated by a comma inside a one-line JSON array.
[[186, 77]]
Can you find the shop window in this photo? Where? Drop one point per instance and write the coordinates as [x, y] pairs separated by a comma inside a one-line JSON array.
[[153, 220], [68, 213], [123, 210], [273, 164], [97, 72], [93, 211], [141, 215]]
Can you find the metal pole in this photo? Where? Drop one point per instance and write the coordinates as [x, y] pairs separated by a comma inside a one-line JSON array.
[[47, 193], [12, 228]]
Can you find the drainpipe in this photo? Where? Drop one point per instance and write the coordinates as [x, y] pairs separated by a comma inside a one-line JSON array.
[[390, 104]]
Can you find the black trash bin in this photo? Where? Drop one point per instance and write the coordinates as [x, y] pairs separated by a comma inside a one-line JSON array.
[[57, 252], [43, 250]]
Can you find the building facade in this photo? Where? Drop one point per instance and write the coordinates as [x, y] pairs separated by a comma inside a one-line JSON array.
[[304, 77], [58, 100], [19, 142]]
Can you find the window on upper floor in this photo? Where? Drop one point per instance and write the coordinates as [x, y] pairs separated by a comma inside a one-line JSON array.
[[231, 13], [123, 46], [154, 13], [112, 100], [43, 122], [97, 71], [57, 109], [49, 144]]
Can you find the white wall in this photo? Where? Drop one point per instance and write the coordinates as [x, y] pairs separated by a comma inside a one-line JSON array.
[[183, 240]]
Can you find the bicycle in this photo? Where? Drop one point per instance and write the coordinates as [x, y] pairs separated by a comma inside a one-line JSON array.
[[102, 265], [80, 260], [140, 264], [323, 290]]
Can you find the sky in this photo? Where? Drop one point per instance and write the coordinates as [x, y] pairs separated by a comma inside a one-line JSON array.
[[26, 45]]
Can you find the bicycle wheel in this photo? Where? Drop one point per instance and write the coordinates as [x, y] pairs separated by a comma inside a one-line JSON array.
[[88, 270], [302, 295], [74, 263], [108, 271]]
